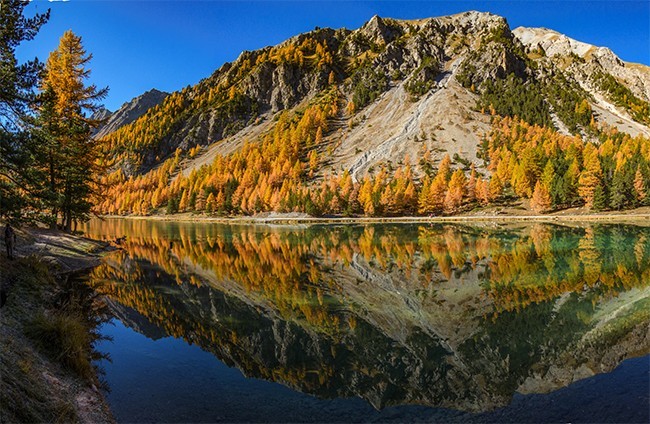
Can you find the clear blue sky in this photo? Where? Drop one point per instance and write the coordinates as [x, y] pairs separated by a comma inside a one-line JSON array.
[[139, 45]]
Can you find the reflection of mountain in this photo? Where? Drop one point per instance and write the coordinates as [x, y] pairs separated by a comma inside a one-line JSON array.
[[450, 316], [135, 320]]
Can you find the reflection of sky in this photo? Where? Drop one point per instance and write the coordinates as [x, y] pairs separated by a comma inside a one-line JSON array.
[[168, 380]]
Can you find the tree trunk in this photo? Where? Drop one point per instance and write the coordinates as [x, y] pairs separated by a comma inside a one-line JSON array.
[[55, 219], [68, 221], [55, 212]]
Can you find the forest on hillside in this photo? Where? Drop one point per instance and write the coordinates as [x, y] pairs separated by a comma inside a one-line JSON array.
[[522, 161]]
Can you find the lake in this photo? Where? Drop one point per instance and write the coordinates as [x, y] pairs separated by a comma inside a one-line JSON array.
[[376, 323]]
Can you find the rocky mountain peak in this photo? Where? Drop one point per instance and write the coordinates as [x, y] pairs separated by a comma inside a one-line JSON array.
[[101, 114], [378, 31], [130, 111], [471, 23], [593, 59], [553, 42]]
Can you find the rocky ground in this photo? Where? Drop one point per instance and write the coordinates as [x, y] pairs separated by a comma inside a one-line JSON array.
[[35, 384]]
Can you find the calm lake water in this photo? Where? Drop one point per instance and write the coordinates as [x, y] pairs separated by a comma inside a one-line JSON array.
[[381, 323]]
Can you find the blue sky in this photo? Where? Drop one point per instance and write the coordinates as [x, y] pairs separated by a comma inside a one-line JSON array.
[[139, 45]]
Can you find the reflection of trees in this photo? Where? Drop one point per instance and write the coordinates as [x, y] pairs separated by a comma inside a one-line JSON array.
[[280, 303], [293, 269], [600, 261]]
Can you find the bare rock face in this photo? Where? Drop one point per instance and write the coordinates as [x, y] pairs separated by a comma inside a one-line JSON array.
[[558, 46], [551, 41], [102, 114], [377, 31], [129, 112]]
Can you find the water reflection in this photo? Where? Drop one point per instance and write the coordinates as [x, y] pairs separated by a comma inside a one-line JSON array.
[[442, 315]]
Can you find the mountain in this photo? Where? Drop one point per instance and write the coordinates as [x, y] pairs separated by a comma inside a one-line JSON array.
[[102, 114], [584, 63], [381, 97], [129, 112]]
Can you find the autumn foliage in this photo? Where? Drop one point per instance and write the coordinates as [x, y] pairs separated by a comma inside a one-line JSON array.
[[282, 172]]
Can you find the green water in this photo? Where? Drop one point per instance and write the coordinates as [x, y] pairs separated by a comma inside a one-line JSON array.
[[442, 316]]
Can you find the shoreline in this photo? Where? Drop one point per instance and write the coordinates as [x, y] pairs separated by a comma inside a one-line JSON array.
[[459, 219], [36, 384]]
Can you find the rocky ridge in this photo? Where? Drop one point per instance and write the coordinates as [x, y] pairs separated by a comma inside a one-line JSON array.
[[129, 112], [557, 46], [414, 84]]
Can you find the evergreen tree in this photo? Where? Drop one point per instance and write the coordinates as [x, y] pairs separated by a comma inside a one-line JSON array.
[[590, 178], [618, 195], [599, 201], [483, 191], [571, 181], [73, 154], [172, 205], [471, 184], [424, 206], [20, 181], [520, 182], [640, 186], [444, 170], [437, 192], [495, 188], [456, 191], [551, 184], [548, 175]]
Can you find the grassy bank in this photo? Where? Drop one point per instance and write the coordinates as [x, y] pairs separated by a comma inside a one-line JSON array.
[[48, 329]]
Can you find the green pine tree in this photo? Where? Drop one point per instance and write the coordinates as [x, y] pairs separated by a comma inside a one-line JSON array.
[[21, 185], [600, 199]]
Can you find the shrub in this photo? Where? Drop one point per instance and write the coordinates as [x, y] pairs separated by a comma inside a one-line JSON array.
[[367, 85], [64, 337]]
